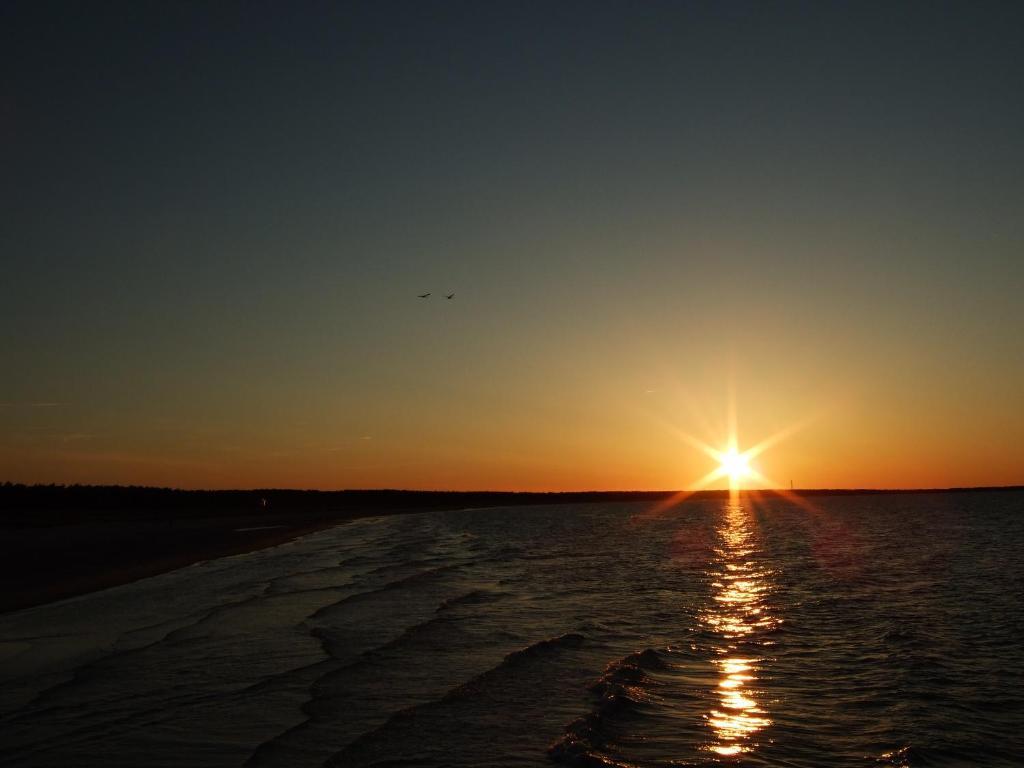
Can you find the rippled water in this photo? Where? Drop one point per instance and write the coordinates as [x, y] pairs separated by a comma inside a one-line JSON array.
[[853, 631]]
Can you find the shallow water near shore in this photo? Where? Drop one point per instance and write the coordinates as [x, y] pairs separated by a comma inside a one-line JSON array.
[[839, 631]]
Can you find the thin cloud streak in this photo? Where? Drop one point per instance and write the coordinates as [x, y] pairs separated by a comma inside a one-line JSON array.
[[42, 404]]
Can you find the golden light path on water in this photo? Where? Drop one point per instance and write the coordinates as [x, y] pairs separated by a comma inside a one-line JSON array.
[[739, 612]]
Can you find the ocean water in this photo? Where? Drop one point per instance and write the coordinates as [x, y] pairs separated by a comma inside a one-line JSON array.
[[847, 631]]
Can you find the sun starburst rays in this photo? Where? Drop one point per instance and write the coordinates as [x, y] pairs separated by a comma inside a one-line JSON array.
[[738, 466]]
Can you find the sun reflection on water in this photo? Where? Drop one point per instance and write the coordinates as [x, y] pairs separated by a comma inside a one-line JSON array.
[[738, 616]]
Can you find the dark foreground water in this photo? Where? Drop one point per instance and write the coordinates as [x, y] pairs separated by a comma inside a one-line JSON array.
[[872, 630]]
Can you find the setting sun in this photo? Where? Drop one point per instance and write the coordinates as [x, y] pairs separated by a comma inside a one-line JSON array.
[[734, 464]]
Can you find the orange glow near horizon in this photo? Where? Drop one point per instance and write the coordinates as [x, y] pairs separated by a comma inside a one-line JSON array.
[[600, 435]]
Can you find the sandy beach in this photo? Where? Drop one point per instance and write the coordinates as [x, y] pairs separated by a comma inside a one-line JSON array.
[[42, 564]]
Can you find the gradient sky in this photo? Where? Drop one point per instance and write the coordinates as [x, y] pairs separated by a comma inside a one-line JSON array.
[[217, 216]]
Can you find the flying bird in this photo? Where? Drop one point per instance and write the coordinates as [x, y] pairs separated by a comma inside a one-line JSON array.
[[422, 295], [450, 295]]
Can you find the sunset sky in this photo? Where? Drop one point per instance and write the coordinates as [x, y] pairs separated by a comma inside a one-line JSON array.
[[217, 218]]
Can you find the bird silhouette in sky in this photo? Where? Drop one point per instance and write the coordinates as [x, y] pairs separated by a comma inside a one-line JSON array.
[[422, 295], [450, 295]]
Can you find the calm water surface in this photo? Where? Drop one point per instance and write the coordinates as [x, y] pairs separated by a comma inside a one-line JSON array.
[[856, 631]]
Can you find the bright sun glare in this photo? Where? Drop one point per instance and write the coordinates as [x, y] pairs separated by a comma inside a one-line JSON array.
[[735, 464]]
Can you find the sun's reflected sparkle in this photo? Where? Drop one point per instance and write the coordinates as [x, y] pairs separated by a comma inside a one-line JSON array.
[[737, 614]]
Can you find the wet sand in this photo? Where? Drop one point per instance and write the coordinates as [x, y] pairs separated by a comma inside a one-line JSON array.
[[42, 564], [60, 541]]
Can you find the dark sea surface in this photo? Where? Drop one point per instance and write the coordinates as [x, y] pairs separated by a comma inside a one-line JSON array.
[[849, 631]]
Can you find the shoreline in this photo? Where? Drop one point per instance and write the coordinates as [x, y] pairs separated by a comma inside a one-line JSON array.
[[44, 565], [47, 558]]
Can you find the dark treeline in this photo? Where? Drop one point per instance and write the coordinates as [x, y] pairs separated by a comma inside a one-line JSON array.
[[57, 504]]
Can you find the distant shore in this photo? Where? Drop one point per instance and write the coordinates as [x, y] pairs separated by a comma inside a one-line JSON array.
[[62, 541]]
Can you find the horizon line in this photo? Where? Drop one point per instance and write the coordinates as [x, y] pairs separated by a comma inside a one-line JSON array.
[[698, 492]]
